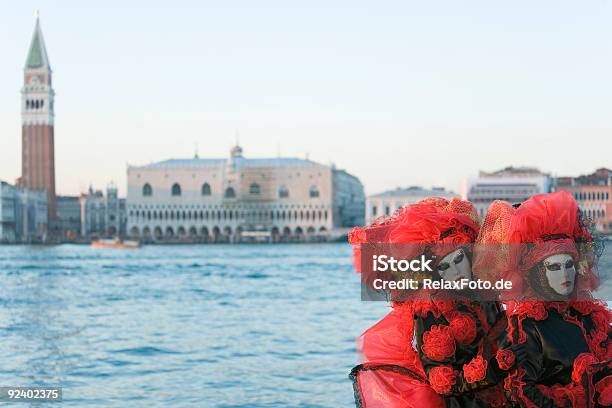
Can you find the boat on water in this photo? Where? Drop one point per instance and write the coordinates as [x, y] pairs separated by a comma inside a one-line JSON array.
[[115, 243]]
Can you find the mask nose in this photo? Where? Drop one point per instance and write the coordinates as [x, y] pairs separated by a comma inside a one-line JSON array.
[[567, 273]]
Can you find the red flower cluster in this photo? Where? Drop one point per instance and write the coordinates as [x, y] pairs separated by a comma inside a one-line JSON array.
[[442, 379], [438, 343], [463, 328], [505, 359], [581, 363], [475, 370]]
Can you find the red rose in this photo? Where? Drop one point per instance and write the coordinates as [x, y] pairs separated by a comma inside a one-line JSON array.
[[604, 389], [536, 310], [505, 359], [581, 363], [442, 379], [475, 370], [444, 306], [438, 343], [463, 328]]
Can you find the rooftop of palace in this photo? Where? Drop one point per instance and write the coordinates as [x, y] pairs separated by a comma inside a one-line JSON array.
[[237, 162]]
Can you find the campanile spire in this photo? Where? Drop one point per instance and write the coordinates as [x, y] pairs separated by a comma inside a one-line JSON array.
[[37, 121]]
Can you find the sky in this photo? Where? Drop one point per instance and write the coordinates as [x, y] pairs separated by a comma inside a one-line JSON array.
[[398, 93]]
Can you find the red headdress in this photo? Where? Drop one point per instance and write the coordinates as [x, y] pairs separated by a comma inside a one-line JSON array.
[[513, 240], [446, 224]]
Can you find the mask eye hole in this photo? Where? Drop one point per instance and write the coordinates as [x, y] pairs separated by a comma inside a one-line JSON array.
[[569, 264], [443, 266], [459, 257], [553, 266]]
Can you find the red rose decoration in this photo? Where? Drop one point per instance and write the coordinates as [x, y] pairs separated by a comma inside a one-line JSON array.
[[581, 363], [463, 328], [442, 379], [438, 343], [505, 359], [604, 389], [444, 306], [475, 370], [536, 310]]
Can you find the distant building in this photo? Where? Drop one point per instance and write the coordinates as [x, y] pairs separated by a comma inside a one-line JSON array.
[[512, 184], [594, 195], [389, 201], [69, 216], [103, 216], [238, 198], [348, 199], [23, 214]]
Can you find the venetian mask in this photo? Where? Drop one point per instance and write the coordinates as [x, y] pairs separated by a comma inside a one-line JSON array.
[[455, 266], [560, 273]]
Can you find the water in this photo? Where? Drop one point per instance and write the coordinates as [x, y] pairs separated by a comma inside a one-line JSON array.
[[183, 326]]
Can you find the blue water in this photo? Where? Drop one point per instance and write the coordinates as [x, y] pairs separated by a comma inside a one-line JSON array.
[[183, 326]]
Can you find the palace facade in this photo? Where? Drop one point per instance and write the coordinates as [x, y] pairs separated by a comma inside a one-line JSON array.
[[241, 199]]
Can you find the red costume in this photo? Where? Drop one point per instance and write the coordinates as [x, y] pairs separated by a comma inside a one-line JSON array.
[[566, 341], [428, 353]]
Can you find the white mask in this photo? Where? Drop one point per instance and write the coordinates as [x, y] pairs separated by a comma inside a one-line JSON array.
[[561, 273], [455, 266]]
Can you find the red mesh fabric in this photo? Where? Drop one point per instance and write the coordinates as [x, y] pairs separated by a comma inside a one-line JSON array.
[[388, 389], [437, 221], [434, 220], [550, 221]]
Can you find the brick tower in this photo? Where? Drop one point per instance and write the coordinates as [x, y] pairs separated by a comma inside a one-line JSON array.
[[37, 117]]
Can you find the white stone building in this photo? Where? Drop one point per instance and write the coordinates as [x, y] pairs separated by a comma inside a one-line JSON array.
[[512, 184], [389, 201], [23, 214], [103, 216], [273, 199]]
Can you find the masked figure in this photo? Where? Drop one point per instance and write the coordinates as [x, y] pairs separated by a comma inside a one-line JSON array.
[[559, 334], [431, 352]]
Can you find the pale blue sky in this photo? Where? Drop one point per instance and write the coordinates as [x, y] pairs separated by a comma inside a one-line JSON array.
[[398, 93]]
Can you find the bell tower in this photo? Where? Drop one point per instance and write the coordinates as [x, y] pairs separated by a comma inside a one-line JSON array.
[[37, 119]]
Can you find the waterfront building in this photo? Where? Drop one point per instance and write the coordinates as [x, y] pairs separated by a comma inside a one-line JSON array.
[[103, 216], [69, 216], [512, 184], [594, 195], [37, 118], [387, 202], [241, 199], [23, 214]]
